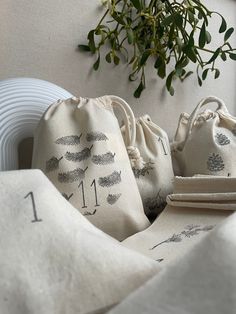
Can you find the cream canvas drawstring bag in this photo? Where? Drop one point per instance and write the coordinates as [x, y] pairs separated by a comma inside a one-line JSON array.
[[151, 164], [79, 146], [205, 142]]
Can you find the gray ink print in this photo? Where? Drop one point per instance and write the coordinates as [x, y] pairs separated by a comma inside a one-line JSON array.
[[72, 176], [67, 197], [103, 159], [190, 230], [96, 136], [52, 164], [90, 213], [110, 180], [113, 198], [155, 204], [215, 163], [69, 140], [222, 139], [79, 156], [145, 170]]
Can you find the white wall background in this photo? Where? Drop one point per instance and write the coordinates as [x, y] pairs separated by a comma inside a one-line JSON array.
[[39, 38]]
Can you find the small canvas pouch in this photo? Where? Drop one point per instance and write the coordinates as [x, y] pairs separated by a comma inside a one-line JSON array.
[[205, 142], [79, 146], [151, 164]]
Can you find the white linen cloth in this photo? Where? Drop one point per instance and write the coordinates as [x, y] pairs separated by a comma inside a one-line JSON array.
[[201, 281], [196, 206], [79, 146], [53, 260]]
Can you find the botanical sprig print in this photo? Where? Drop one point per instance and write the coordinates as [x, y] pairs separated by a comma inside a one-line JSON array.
[[145, 170], [222, 139], [190, 231]]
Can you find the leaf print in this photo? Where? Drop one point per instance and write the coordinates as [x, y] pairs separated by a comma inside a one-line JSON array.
[[67, 197], [113, 198], [110, 180], [104, 159], [72, 176], [190, 230], [52, 164], [222, 139], [96, 136], [79, 156], [145, 170], [90, 213], [191, 227], [215, 163], [69, 140]]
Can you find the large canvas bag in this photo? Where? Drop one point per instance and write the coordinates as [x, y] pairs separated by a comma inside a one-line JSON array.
[[79, 146], [205, 143], [53, 260], [151, 164]]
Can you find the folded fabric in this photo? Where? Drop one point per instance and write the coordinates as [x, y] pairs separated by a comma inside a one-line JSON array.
[[202, 281], [53, 260], [204, 184], [187, 218]]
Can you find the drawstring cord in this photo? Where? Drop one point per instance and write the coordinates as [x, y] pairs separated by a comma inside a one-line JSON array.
[[135, 157]]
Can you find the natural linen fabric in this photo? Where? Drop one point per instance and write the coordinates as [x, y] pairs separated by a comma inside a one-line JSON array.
[[196, 206], [155, 176], [205, 143], [79, 146], [201, 281], [53, 260]]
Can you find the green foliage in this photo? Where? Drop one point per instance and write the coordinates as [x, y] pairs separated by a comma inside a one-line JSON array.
[[166, 33]]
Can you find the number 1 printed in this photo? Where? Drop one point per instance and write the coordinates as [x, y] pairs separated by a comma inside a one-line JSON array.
[[31, 194]]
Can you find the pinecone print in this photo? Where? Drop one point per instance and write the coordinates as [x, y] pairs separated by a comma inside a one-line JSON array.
[[222, 139], [215, 162]]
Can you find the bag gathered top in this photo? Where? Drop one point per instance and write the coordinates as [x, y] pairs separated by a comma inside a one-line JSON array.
[[151, 164], [79, 146], [205, 142]]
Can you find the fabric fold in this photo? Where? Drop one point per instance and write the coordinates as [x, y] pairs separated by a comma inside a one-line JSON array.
[[196, 206], [53, 260], [202, 281]]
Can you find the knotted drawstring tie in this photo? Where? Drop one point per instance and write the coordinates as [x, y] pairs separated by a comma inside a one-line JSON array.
[[136, 159]]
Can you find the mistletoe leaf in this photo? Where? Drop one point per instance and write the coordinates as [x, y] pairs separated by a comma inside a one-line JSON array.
[[145, 56], [96, 64], [91, 41], [136, 4], [139, 90], [215, 55], [202, 36], [84, 48], [228, 33], [223, 25], [232, 56]]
